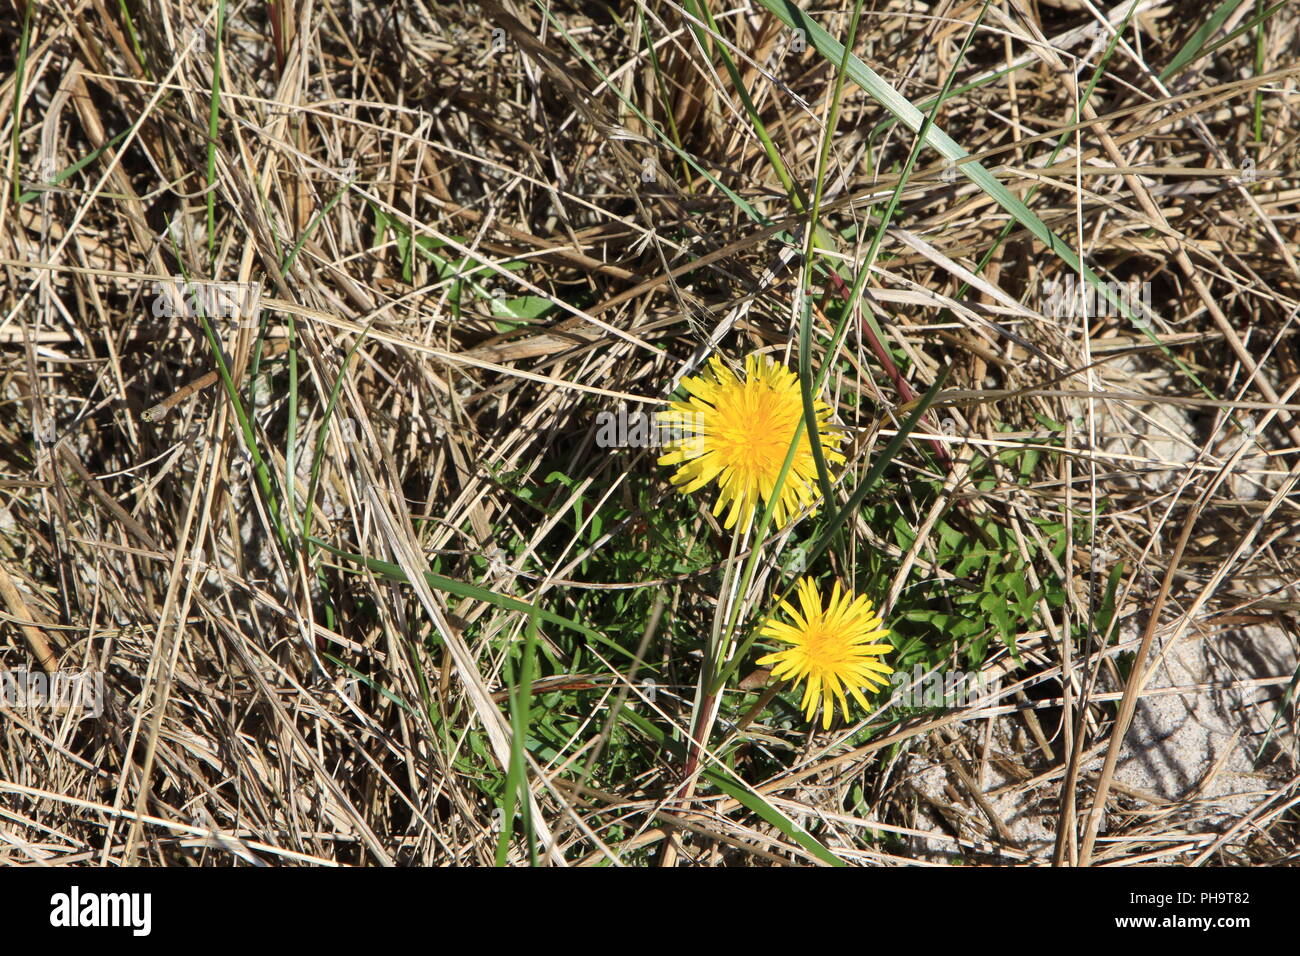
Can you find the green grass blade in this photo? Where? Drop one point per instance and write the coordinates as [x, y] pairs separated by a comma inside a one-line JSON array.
[[459, 588], [934, 137], [757, 804], [1250, 24], [20, 71], [76, 167], [214, 115], [516, 791], [1196, 42]]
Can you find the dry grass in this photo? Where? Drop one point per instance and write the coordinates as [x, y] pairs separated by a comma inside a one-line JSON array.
[[269, 701]]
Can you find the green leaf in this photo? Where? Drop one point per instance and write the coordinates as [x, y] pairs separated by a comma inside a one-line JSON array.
[[524, 307]]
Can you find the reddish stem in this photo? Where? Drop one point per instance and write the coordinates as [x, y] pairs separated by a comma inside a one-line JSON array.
[[905, 391]]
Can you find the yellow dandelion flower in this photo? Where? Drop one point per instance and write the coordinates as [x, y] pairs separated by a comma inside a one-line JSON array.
[[739, 432], [832, 649]]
